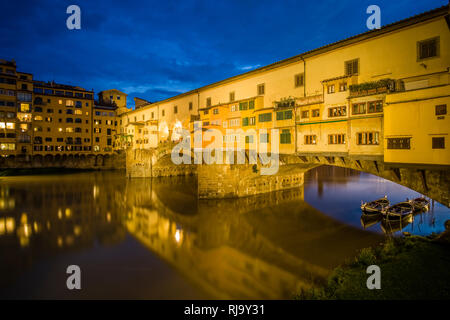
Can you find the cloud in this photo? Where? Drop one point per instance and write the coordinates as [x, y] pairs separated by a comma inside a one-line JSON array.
[[246, 68]]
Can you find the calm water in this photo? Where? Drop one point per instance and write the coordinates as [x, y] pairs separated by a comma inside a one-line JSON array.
[[152, 239]]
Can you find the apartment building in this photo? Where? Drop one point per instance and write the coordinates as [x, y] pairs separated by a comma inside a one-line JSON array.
[[105, 126], [61, 119], [8, 108]]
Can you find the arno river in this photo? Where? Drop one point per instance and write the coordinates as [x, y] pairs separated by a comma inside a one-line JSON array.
[[152, 239]]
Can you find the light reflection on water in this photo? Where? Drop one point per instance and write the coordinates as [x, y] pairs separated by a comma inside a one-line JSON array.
[[153, 239]]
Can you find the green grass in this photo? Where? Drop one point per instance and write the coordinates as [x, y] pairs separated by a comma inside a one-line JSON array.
[[411, 268]]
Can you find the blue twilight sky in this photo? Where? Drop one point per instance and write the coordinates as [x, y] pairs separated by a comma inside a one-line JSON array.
[[157, 49]]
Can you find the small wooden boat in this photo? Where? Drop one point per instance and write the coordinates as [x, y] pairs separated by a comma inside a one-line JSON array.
[[375, 207], [398, 211], [420, 204]]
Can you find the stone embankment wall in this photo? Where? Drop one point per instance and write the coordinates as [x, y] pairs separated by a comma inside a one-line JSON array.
[[143, 163], [77, 161]]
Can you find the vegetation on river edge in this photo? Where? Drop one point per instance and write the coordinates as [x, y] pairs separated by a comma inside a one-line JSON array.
[[412, 267]]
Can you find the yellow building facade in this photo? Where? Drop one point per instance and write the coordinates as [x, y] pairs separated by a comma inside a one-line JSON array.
[[383, 93], [61, 119]]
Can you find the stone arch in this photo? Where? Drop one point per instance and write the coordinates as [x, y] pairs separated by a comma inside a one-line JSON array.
[[48, 160], [37, 160], [99, 160]]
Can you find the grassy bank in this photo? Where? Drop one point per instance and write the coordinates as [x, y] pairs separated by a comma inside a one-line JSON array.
[[411, 268]]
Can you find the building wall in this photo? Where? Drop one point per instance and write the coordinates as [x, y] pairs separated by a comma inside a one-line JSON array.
[[390, 54], [104, 130], [8, 103], [62, 124]]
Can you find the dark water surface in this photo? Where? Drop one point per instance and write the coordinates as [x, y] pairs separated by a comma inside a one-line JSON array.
[[152, 239]]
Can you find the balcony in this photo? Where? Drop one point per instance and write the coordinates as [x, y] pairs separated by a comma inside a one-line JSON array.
[[372, 87], [285, 103]]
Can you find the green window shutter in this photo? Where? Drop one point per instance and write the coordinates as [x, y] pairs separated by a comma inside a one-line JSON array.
[[251, 104], [243, 106], [288, 114], [245, 121], [280, 115]]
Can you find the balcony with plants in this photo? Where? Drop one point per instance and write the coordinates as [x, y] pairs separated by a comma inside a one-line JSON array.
[[372, 87]]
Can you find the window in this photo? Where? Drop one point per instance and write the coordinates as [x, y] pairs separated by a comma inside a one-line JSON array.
[[285, 136], [305, 114], [232, 96], [330, 88], [78, 104], [375, 106], [206, 123], [175, 109], [252, 121], [208, 102], [359, 108], [244, 122], [310, 139], [367, 138], [69, 111], [261, 89], [298, 80], [438, 142], [316, 113], [25, 107], [251, 104], [284, 115], [343, 86], [234, 122], [163, 112], [243, 106], [428, 48], [38, 118], [190, 107], [206, 112], [264, 138], [248, 139], [69, 120], [399, 143], [265, 117], [336, 139], [441, 109], [337, 111], [216, 111], [352, 67]]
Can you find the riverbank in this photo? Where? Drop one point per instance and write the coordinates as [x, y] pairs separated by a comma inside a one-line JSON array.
[[12, 172], [412, 267]]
